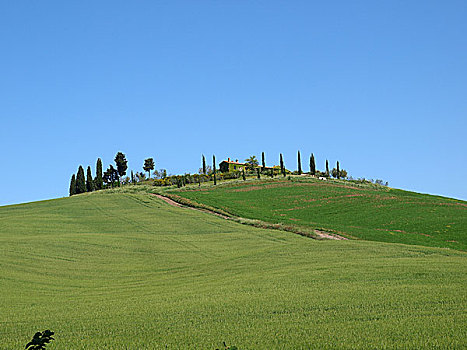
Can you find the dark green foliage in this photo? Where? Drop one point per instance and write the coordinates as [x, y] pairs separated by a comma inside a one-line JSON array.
[[122, 165], [327, 168], [148, 166], [89, 181], [312, 165], [258, 173], [341, 173], [263, 160], [133, 180], [72, 190], [229, 347], [281, 160], [299, 161], [98, 181], [338, 171], [80, 181], [40, 340], [271, 173], [204, 165], [214, 169], [243, 174], [251, 163], [110, 176]]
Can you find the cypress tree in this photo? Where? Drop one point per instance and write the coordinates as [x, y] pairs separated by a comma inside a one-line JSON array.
[[204, 165], [80, 181], [263, 161], [243, 174], [257, 170], [98, 183], [327, 168], [299, 164], [73, 185], [214, 168], [338, 171], [282, 165], [89, 182], [132, 178], [312, 165]]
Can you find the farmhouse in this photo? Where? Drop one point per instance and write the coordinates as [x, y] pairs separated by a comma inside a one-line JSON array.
[[229, 165]]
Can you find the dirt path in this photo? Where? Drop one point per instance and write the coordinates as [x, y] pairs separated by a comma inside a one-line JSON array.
[[178, 205], [329, 236], [171, 202], [168, 200]]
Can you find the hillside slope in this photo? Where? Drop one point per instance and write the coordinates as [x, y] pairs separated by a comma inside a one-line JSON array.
[[367, 212], [127, 271]]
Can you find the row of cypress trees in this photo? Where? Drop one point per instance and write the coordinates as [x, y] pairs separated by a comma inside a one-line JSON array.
[[80, 184], [313, 171]]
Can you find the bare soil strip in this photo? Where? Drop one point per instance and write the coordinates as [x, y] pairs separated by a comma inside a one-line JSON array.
[[178, 205], [319, 233]]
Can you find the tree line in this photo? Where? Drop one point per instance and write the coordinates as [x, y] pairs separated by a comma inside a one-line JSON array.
[[113, 175], [109, 178]]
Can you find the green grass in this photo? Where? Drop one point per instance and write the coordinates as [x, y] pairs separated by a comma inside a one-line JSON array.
[[127, 271], [366, 212]]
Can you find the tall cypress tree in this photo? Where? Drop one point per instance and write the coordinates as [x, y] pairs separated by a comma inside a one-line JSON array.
[[312, 165], [258, 173], [73, 185], [327, 168], [98, 182], [243, 174], [133, 181], [299, 164], [338, 171], [263, 161], [281, 160], [89, 182], [80, 181], [214, 168], [204, 165]]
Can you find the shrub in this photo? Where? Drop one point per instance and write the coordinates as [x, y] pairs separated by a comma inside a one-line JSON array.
[[40, 340], [231, 175]]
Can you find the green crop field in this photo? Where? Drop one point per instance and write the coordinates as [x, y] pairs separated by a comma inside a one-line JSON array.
[[127, 271], [375, 213]]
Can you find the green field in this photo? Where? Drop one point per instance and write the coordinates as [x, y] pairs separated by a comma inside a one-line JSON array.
[[127, 271], [368, 212]]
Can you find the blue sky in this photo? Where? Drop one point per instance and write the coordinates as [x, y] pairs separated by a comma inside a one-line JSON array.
[[380, 86]]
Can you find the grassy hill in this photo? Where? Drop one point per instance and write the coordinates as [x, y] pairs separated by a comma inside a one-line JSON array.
[[127, 271], [362, 211]]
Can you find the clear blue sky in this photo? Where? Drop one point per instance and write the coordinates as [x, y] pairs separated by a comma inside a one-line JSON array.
[[380, 86]]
